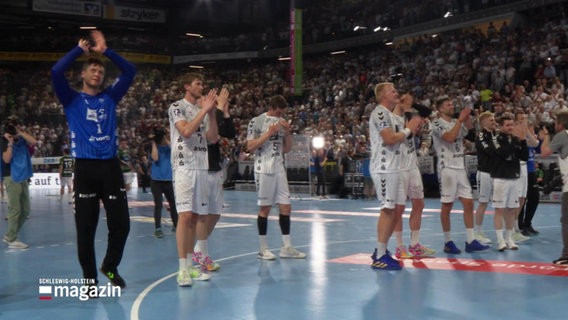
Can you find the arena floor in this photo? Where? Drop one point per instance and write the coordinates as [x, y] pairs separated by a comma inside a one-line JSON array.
[[334, 282]]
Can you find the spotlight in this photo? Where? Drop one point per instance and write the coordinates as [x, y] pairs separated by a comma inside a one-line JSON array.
[[318, 142]]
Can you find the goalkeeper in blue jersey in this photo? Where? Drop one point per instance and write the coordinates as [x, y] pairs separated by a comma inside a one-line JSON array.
[[91, 116]]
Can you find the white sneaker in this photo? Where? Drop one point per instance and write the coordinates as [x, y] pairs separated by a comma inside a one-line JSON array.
[[511, 245], [481, 237], [184, 279], [519, 237], [197, 275], [291, 252], [265, 254], [16, 244], [501, 246]]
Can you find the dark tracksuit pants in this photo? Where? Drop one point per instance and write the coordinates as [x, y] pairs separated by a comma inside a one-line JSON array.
[[95, 181]]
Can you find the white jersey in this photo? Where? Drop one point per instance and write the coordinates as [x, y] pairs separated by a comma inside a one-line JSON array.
[[269, 157], [190, 153], [384, 158], [408, 156], [450, 155]]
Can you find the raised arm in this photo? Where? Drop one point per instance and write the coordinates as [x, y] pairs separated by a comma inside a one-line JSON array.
[[224, 120], [120, 86], [60, 84], [463, 119]]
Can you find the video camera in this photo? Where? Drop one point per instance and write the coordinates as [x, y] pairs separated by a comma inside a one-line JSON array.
[[11, 125], [418, 109], [555, 183], [159, 135], [549, 127]]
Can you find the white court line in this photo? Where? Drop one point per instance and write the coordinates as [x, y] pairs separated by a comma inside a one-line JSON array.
[[138, 302], [134, 312]]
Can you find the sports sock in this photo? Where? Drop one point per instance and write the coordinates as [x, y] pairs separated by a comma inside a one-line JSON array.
[[469, 235], [263, 242], [286, 240], [509, 235], [262, 224], [284, 223], [201, 246], [381, 249], [447, 236], [182, 263], [499, 233], [414, 237]]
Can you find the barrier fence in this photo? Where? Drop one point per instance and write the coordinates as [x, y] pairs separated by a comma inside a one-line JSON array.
[[355, 182]]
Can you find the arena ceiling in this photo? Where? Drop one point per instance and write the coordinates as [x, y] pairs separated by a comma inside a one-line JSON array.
[[210, 17]]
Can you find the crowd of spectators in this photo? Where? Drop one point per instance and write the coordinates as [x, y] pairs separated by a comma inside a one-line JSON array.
[[500, 70]]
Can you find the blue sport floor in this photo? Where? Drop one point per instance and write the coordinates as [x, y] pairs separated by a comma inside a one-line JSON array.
[[334, 282]]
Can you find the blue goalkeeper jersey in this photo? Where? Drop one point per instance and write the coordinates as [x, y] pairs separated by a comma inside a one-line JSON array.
[[92, 119]]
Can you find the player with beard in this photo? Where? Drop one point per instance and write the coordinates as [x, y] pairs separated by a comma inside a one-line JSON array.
[[509, 148], [483, 146], [410, 187], [448, 135]]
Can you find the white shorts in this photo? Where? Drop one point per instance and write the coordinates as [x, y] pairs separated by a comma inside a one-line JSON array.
[[191, 191], [523, 181], [215, 183], [387, 188], [272, 188], [410, 186], [484, 186], [128, 177], [505, 193], [454, 184], [67, 181]]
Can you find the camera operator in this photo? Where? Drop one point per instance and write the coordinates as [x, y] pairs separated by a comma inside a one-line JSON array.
[[559, 144], [161, 182], [16, 168]]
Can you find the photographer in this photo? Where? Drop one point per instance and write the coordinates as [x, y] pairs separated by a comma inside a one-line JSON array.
[[161, 183], [16, 168], [559, 144]]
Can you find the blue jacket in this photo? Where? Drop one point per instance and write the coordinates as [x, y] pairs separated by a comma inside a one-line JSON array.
[[21, 164]]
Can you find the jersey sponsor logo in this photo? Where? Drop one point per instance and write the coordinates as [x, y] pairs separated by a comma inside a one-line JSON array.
[[86, 195], [92, 115], [96, 115], [98, 139], [176, 111]]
